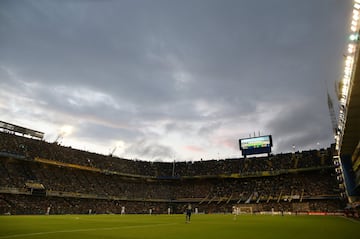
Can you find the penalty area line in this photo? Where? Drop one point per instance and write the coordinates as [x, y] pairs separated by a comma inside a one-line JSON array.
[[84, 230], [351, 220]]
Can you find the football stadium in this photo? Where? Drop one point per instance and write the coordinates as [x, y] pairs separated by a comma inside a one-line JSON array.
[[48, 190]]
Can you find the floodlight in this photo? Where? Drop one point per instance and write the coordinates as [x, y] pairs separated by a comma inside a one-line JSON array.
[[351, 49], [353, 25], [66, 130], [347, 70], [353, 37], [347, 64], [350, 58]]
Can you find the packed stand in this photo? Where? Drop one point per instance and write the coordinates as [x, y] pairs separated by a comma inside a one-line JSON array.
[[69, 189]]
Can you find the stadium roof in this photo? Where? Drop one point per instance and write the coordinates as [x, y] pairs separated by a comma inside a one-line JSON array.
[[351, 135]]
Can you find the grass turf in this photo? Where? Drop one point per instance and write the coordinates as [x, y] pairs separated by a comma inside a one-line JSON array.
[[174, 226]]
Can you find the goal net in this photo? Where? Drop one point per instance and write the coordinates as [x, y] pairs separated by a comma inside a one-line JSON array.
[[242, 210]]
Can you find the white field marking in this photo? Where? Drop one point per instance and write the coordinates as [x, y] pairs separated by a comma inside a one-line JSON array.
[[350, 219], [85, 230]]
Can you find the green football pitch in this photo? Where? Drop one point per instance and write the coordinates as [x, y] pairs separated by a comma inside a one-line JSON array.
[[174, 226]]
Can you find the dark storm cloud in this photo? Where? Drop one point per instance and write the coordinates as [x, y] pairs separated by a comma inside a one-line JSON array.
[[208, 128], [103, 132], [151, 150], [301, 124], [186, 67]]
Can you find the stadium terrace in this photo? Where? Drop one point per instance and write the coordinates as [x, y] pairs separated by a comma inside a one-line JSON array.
[[38, 177]]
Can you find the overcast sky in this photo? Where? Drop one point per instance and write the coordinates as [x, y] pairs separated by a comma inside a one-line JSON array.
[[172, 80]]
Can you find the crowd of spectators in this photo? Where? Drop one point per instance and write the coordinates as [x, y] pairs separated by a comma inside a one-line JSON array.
[[79, 190], [13, 204], [32, 148], [15, 173]]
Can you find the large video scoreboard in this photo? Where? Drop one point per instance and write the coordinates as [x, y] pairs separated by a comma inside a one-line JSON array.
[[255, 145]]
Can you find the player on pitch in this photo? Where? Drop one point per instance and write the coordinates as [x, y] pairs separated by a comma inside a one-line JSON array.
[[188, 213]]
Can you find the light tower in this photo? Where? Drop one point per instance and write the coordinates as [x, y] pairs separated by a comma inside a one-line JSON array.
[[64, 131], [345, 87]]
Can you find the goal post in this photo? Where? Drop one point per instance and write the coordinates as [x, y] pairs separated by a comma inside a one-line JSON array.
[[242, 210]]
